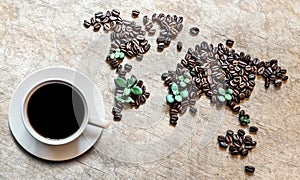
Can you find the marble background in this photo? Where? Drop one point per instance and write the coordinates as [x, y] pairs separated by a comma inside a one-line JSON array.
[[39, 34]]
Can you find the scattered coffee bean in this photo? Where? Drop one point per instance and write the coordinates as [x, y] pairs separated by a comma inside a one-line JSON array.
[[179, 46], [193, 109], [253, 129], [249, 169], [229, 43], [241, 132], [128, 67], [135, 13], [194, 31]]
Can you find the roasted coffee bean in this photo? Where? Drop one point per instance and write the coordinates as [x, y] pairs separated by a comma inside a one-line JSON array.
[[229, 43], [261, 70], [249, 169], [152, 31], [278, 83], [253, 129], [167, 41], [267, 83], [223, 145], [244, 152], [147, 94], [149, 25], [106, 26], [140, 37], [253, 143], [117, 117], [135, 13], [97, 27], [283, 71], [241, 113], [161, 46], [173, 122], [86, 24], [179, 46], [139, 57], [236, 108], [248, 147], [193, 109], [248, 138], [241, 132], [285, 78], [229, 133], [232, 148], [146, 19], [235, 152], [235, 138], [247, 143], [164, 76], [228, 139], [194, 30], [221, 138]]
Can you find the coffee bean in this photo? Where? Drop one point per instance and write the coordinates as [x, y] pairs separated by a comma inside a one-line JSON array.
[[106, 26], [221, 138], [161, 46], [285, 78], [232, 148], [152, 31], [173, 122], [235, 152], [86, 24], [167, 41], [229, 133], [244, 152], [179, 46], [135, 13], [253, 129], [117, 116], [228, 139], [253, 143], [249, 169], [235, 138], [278, 83], [229, 43], [267, 83], [146, 19], [149, 25], [247, 143], [194, 30], [223, 145], [241, 132], [247, 138], [139, 57], [193, 109], [236, 108], [127, 67], [97, 27], [248, 147], [283, 71]]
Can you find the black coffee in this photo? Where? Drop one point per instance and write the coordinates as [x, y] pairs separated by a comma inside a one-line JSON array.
[[56, 110]]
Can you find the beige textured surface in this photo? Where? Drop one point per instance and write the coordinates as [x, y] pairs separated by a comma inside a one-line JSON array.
[[38, 34]]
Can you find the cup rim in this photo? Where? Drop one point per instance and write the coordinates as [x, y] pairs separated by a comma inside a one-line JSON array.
[[38, 136]]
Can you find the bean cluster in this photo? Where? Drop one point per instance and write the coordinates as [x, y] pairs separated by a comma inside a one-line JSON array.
[[106, 20], [170, 27], [227, 77], [128, 91], [237, 144]]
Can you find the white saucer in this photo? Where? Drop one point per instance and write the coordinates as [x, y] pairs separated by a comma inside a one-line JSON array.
[[56, 152]]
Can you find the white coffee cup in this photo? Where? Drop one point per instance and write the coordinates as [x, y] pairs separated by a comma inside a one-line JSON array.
[[87, 119]]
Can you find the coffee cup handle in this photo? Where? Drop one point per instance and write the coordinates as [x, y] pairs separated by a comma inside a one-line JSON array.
[[95, 121]]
